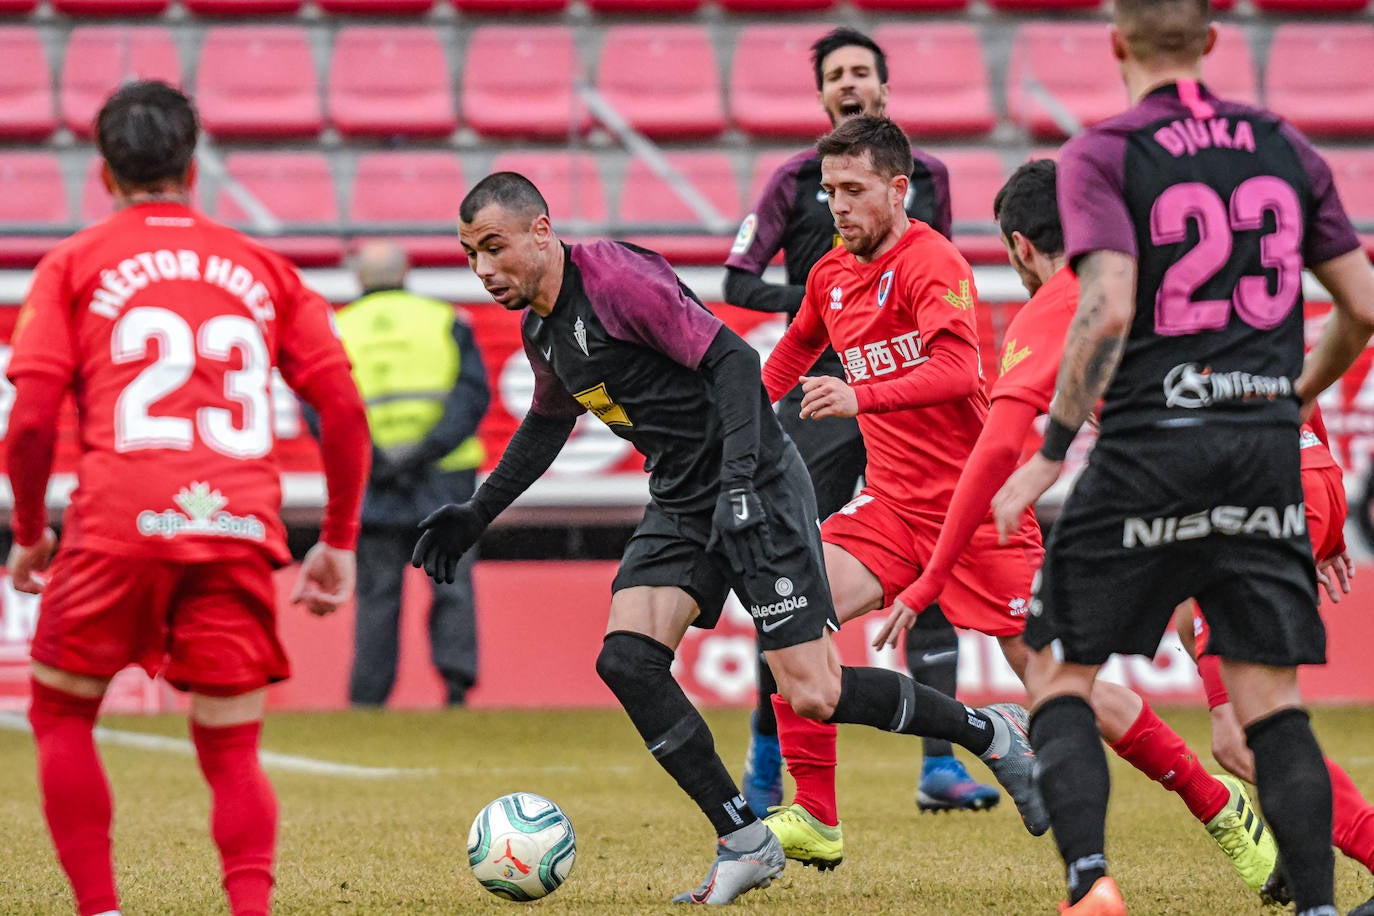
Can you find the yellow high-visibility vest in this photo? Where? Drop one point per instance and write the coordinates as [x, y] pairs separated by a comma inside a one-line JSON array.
[[405, 363]]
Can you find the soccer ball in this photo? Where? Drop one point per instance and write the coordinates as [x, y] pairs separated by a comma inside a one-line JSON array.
[[521, 846]]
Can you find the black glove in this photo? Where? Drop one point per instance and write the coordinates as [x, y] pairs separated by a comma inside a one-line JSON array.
[[740, 528], [449, 532]]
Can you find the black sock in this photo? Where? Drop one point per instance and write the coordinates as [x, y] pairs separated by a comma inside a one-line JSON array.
[[636, 668], [765, 719], [1073, 779], [932, 657], [1295, 793], [895, 703]]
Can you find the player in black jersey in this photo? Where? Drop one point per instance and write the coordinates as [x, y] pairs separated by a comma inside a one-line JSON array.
[[792, 215], [609, 328], [1189, 220]]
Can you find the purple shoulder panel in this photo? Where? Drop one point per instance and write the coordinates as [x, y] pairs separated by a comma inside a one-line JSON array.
[[639, 300], [1329, 231], [1092, 203], [760, 235], [939, 177]]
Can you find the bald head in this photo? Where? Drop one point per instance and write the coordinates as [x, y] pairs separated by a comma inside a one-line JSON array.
[[1164, 31], [381, 265]]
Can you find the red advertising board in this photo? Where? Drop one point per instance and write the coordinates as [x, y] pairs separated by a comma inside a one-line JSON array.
[[540, 626]]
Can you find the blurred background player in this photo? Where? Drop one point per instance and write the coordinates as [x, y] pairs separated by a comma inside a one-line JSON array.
[[897, 301], [1190, 323], [1027, 211], [170, 371], [609, 328], [421, 376], [792, 215]]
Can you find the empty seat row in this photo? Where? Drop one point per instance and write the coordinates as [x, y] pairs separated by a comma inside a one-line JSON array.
[[636, 7], [664, 81], [293, 197]]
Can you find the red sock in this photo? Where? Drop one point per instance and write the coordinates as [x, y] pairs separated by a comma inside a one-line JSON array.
[[1209, 669], [1352, 818], [243, 813], [1160, 753], [809, 747], [76, 794]]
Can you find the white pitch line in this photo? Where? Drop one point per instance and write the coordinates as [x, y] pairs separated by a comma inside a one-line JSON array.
[[270, 759]]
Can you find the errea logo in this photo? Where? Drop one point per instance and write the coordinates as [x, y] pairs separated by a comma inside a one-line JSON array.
[[837, 299]]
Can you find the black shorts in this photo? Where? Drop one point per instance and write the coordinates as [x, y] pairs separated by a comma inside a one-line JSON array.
[[1207, 512], [832, 448], [789, 599]]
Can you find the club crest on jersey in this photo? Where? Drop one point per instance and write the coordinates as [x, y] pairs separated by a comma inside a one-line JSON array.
[[580, 335], [884, 287], [962, 300], [836, 299]]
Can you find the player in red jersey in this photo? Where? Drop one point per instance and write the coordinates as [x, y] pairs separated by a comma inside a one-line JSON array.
[[166, 327]]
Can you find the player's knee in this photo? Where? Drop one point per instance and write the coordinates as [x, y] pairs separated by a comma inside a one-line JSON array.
[[810, 699], [629, 660]]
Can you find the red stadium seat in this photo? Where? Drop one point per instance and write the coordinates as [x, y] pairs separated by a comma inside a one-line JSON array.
[[644, 7], [650, 200], [288, 189], [910, 6], [258, 82], [411, 191], [663, 80], [1229, 71], [1061, 77], [975, 176], [25, 86], [774, 6], [510, 7], [1314, 81], [570, 182], [376, 7], [772, 85], [518, 81], [35, 200], [1040, 6], [1311, 7], [110, 7], [1223, 6], [938, 79], [17, 7], [242, 7], [386, 81], [99, 59]]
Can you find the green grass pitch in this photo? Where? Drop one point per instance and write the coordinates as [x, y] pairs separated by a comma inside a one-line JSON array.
[[397, 845]]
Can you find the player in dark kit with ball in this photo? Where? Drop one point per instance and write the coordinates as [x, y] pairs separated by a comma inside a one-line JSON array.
[[609, 328]]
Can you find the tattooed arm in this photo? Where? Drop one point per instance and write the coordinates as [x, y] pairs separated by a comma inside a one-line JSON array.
[[1106, 306]]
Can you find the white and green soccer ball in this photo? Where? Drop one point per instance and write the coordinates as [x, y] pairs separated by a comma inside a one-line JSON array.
[[521, 846]]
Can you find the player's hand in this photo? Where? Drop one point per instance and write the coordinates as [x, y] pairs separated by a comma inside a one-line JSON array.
[[449, 532], [1334, 573], [899, 618], [1228, 743], [327, 578], [25, 563], [739, 528], [1026, 485], [827, 396]]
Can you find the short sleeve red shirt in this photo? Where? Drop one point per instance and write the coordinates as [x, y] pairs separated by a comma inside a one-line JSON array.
[[881, 317], [1034, 347], [167, 328]]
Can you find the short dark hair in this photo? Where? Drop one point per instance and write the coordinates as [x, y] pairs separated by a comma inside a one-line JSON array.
[[146, 133], [513, 191], [1170, 29], [1028, 204], [881, 138], [845, 37]]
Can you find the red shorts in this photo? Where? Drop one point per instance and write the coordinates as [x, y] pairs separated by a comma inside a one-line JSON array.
[[1323, 497], [205, 627], [990, 587]]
